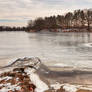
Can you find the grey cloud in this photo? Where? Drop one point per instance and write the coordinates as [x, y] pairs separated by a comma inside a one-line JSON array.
[[30, 9]]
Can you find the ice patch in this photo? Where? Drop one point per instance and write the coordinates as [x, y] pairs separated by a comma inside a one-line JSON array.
[[20, 62], [70, 88], [88, 44], [60, 65]]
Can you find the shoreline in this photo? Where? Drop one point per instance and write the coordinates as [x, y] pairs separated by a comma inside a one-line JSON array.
[[66, 75], [44, 79], [41, 85], [56, 30]]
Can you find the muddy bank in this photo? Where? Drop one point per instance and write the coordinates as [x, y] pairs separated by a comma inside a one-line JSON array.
[[66, 75]]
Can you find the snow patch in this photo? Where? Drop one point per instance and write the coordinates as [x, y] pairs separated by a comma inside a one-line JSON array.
[[88, 44], [70, 88], [5, 78], [40, 85], [7, 87], [86, 88], [56, 86]]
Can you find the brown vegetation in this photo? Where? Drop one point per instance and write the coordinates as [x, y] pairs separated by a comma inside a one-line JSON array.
[[18, 78], [78, 19]]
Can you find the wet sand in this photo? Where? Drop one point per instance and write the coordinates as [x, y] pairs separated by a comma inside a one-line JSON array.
[[65, 75]]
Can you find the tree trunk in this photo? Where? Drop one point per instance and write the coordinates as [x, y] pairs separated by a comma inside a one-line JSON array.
[[88, 25]]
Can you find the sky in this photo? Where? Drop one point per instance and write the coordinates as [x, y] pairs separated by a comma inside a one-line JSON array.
[[19, 12]]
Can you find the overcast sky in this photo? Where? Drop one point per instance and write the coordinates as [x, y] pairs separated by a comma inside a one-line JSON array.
[[19, 12]]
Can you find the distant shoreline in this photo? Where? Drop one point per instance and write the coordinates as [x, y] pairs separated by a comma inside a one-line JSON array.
[[61, 30]]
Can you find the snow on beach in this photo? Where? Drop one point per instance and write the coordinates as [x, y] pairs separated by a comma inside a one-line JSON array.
[[19, 73], [5, 78], [41, 86], [16, 81], [25, 79], [71, 87], [66, 87], [7, 87]]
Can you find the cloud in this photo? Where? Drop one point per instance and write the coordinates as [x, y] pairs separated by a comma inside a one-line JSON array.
[[20, 11]]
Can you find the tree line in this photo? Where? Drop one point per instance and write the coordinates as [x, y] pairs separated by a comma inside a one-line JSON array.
[[7, 28], [77, 19]]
